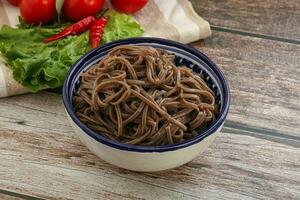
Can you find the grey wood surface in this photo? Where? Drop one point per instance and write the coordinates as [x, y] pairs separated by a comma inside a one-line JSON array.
[[276, 19], [256, 157], [264, 80], [9, 197], [42, 157]]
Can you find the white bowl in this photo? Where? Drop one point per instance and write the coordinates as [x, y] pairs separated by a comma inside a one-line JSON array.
[[150, 158]]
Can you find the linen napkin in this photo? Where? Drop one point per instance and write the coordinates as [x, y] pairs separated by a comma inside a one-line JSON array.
[[170, 19]]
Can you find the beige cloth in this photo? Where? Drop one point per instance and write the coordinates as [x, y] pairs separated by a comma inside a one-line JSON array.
[[170, 19]]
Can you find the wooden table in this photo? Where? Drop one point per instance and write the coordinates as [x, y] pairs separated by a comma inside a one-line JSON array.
[[257, 44]]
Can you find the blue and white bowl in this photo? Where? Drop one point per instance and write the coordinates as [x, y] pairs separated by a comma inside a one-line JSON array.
[[150, 158]]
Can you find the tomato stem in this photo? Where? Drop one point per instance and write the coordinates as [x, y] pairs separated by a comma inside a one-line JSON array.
[[102, 13]]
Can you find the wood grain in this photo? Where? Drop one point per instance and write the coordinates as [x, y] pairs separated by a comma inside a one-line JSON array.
[[257, 156], [56, 165], [264, 80], [8, 197], [275, 18]]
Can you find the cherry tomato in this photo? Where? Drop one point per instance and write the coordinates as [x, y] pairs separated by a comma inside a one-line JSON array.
[[78, 9], [128, 6], [37, 11], [14, 2]]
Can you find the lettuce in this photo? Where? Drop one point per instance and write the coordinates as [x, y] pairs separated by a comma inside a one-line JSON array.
[[39, 66], [120, 26]]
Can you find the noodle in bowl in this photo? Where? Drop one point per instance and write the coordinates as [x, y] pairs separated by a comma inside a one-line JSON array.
[[146, 104]]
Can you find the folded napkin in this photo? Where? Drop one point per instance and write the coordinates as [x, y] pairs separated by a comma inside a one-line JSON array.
[[170, 19]]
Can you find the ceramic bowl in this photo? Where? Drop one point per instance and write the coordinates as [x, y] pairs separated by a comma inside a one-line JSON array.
[[150, 158]]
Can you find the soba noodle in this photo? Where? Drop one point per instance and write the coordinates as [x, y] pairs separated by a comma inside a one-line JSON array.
[[136, 95]]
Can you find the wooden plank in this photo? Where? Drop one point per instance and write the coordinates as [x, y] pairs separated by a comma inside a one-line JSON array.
[[264, 80], [40, 161], [257, 156], [8, 197], [273, 18]]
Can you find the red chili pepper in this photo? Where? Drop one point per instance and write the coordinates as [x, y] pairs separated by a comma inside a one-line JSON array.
[[96, 31], [74, 29]]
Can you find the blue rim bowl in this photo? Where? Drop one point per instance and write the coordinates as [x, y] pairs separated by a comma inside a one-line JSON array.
[[187, 55]]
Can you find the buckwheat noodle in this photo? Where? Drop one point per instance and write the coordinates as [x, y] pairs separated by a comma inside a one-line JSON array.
[[136, 95]]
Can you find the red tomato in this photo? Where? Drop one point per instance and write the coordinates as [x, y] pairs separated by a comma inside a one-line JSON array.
[[128, 6], [14, 2], [37, 11], [78, 9]]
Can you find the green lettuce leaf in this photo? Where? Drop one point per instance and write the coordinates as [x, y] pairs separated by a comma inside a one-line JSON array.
[[120, 26], [39, 66]]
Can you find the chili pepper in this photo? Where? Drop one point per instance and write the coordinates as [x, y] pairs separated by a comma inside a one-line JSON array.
[[96, 31], [74, 29]]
